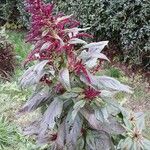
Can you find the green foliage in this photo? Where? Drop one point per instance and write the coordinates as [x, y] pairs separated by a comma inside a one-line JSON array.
[[10, 98], [11, 138], [114, 72], [12, 12]]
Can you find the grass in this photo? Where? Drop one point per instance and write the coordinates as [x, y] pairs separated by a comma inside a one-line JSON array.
[[11, 139], [11, 99], [21, 47]]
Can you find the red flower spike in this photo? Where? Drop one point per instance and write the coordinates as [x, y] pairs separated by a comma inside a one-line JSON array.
[[91, 93], [59, 89], [42, 20], [45, 80], [80, 68], [53, 137]]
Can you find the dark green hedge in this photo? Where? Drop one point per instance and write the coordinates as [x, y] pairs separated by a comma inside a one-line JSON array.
[[13, 11]]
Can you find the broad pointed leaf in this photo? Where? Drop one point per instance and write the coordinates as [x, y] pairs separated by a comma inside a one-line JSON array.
[[77, 41], [146, 144], [78, 105], [102, 114], [98, 141], [105, 83], [95, 46], [74, 31], [36, 100], [109, 83], [73, 132], [60, 141], [62, 18], [125, 144], [64, 78], [33, 74], [52, 113], [112, 127]]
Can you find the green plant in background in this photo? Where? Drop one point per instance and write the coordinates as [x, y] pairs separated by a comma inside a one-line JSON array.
[[13, 14], [5, 132], [79, 109], [114, 72]]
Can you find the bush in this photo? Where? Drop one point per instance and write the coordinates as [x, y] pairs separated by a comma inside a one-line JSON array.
[[7, 57], [79, 107], [13, 14]]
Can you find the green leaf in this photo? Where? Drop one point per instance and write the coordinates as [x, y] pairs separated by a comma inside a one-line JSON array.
[[68, 95], [140, 119], [77, 90], [80, 144], [125, 144]]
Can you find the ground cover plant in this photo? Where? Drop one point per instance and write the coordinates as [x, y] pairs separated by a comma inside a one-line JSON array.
[[79, 106]]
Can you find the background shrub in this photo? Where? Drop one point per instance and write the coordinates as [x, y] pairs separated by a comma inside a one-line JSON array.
[[13, 14], [7, 57]]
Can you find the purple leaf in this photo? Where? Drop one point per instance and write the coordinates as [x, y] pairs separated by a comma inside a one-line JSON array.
[[64, 78], [73, 131], [52, 113], [105, 83], [112, 127], [36, 100], [98, 141], [33, 74]]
